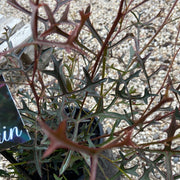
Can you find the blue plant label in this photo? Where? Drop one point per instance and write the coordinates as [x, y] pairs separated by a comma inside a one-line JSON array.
[[12, 131]]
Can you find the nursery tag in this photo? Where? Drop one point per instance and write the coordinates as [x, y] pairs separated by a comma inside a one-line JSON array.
[[12, 131]]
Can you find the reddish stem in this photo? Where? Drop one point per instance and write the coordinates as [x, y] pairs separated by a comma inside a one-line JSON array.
[[118, 17]]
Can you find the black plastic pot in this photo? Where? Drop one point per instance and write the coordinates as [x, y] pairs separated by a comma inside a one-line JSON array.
[[95, 130]]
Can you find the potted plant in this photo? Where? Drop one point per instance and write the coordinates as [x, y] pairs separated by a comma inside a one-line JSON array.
[[50, 167], [67, 95]]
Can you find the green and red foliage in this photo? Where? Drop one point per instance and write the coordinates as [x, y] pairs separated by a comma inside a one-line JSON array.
[[64, 90]]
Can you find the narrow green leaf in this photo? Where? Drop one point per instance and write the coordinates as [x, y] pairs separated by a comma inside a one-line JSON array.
[[91, 28], [147, 95], [4, 173], [58, 74], [175, 90], [66, 162], [176, 177], [59, 178], [87, 76], [132, 53], [136, 74], [131, 170], [37, 162], [145, 175], [177, 114]]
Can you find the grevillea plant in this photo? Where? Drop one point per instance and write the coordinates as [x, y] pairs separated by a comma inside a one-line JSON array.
[[90, 74]]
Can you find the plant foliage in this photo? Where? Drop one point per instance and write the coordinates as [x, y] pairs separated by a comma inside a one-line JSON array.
[[75, 74]]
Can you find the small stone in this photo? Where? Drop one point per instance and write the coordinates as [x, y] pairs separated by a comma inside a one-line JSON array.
[[155, 136], [165, 127], [158, 176], [108, 130], [176, 160]]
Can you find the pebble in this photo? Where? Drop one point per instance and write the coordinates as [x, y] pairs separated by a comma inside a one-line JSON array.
[[108, 130], [176, 159], [155, 136]]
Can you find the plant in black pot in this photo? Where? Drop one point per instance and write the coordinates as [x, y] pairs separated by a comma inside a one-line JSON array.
[[56, 163], [82, 76]]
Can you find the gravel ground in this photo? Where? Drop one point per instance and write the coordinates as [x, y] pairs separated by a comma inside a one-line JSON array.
[[103, 14]]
